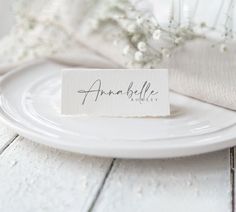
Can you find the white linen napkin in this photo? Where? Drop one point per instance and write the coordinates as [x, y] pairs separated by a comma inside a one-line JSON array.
[[202, 72]]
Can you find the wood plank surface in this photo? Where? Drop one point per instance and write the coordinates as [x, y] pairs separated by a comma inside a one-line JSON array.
[[199, 183], [6, 137], [38, 178]]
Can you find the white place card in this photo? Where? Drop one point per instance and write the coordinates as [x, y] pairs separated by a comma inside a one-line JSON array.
[[115, 92]]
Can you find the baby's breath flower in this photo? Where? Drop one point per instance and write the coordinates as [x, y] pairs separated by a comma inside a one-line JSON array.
[[129, 64], [142, 47], [223, 47], [178, 40], [126, 50], [135, 38], [165, 52], [138, 27], [139, 20], [115, 42], [131, 28], [156, 34], [138, 56]]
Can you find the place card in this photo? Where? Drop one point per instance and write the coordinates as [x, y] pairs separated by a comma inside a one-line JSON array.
[[115, 92]]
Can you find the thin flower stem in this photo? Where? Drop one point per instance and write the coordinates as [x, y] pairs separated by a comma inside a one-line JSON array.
[[218, 14], [229, 20], [180, 12], [193, 13]]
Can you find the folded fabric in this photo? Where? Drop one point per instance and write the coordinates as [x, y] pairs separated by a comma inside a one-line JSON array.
[[200, 71], [59, 31]]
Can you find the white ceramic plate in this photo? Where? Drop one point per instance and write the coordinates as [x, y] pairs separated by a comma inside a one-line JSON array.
[[30, 104]]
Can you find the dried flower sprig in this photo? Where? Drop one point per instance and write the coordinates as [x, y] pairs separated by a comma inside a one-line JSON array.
[[139, 35], [147, 43]]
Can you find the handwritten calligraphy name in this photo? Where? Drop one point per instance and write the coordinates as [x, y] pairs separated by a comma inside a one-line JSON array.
[[145, 93]]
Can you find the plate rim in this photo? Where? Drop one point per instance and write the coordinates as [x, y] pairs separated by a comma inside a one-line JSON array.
[[108, 151]]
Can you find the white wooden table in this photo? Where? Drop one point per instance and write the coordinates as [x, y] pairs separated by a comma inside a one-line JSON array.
[[38, 178]]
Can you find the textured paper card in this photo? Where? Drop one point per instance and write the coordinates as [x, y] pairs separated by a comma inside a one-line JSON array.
[[115, 92]]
